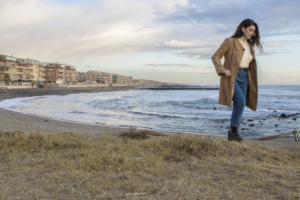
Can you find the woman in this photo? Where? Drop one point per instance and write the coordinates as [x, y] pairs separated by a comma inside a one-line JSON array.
[[238, 74]]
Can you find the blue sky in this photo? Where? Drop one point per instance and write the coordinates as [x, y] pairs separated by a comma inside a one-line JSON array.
[[166, 40]]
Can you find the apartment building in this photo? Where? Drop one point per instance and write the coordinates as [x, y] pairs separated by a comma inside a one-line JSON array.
[[55, 73], [128, 80], [91, 76], [95, 76], [70, 75], [10, 72], [33, 70], [81, 76], [18, 70], [107, 78], [42, 72]]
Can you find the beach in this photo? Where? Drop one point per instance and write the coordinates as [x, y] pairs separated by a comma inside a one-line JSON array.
[[15, 121]]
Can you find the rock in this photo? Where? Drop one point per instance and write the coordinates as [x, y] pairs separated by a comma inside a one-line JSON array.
[[293, 115], [276, 125], [294, 118], [250, 120], [215, 108], [251, 124], [283, 115]]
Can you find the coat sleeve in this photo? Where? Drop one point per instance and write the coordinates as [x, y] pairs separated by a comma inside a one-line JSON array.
[[216, 58]]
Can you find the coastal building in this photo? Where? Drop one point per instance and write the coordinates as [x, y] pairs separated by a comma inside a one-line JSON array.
[[104, 77], [33, 70], [21, 71], [107, 77], [70, 75], [98, 77], [9, 70], [81, 76], [115, 78], [91, 76], [42, 72], [126, 80], [55, 73]]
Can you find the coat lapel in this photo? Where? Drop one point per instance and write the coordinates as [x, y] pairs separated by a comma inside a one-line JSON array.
[[237, 44], [240, 50]]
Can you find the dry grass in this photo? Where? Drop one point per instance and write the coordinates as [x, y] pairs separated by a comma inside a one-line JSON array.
[[133, 133], [143, 165]]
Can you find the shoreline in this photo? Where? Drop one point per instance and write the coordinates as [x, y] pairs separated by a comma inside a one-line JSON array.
[[16, 121], [30, 92]]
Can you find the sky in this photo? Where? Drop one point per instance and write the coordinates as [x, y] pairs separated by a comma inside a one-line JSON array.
[[164, 40]]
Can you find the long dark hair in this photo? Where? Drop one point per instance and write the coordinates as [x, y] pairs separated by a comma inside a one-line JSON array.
[[255, 40]]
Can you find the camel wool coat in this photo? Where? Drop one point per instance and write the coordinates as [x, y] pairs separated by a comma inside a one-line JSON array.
[[233, 51]]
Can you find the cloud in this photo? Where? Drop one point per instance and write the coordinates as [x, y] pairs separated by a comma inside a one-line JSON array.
[[275, 17], [169, 65], [212, 21], [33, 27], [177, 44], [72, 31], [179, 67], [64, 31], [279, 43], [277, 47]]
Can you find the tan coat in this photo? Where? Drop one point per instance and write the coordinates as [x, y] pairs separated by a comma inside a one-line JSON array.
[[233, 51]]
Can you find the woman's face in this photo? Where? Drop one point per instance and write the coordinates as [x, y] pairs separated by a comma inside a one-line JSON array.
[[249, 31]]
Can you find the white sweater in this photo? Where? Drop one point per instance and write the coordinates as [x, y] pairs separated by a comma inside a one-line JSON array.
[[247, 57]]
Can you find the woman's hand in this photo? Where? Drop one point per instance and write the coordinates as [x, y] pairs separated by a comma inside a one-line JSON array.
[[227, 73]]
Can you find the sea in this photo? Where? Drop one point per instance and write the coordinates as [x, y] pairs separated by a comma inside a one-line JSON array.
[[174, 110]]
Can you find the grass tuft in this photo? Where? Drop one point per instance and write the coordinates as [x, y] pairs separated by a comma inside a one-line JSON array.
[[133, 133]]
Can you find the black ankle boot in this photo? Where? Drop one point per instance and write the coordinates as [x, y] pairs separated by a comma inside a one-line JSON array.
[[230, 135], [234, 135]]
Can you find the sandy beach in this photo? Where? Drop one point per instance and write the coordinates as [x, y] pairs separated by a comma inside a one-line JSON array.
[[13, 121]]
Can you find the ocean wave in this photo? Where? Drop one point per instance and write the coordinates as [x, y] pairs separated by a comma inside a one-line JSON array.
[[77, 112], [162, 115], [193, 103], [15, 103]]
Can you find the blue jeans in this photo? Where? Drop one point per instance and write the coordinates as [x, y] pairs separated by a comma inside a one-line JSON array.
[[239, 97]]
